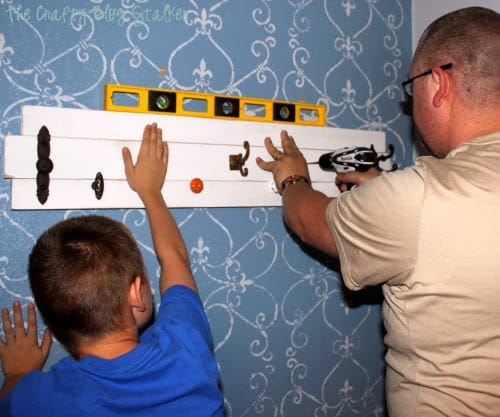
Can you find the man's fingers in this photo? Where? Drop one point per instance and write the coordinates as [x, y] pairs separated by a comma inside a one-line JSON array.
[[347, 180], [273, 150], [266, 166], [289, 149], [287, 142]]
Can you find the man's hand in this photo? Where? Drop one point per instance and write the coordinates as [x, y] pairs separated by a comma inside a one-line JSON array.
[[20, 352], [303, 207], [288, 162], [147, 176], [345, 181]]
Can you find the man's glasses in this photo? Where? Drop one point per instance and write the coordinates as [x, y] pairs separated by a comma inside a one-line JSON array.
[[408, 84]]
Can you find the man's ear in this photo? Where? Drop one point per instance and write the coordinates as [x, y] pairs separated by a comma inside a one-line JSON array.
[[135, 295], [442, 80]]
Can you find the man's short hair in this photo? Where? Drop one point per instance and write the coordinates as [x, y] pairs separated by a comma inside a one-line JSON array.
[[469, 38], [80, 271]]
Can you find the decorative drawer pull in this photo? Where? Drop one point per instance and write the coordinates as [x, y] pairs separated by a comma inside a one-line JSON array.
[[98, 186], [44, 165]]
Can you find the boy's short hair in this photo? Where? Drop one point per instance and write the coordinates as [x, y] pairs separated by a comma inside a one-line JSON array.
[[80, 271]]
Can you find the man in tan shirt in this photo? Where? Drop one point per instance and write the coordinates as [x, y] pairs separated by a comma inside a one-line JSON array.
[[430, 234]]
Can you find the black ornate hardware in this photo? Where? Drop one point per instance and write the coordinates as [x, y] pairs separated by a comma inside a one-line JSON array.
[[237, 162], [98, 185], [44, 165]]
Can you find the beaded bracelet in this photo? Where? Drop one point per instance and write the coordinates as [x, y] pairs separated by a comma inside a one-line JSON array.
[[293, 179]]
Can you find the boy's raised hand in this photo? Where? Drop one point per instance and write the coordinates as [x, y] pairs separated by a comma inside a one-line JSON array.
[[146, 178], [20, 352], [148, 174]]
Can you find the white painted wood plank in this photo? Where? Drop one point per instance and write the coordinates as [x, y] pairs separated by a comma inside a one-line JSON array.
[[80, 123], [84, 142], [75, 158], [79, 195]]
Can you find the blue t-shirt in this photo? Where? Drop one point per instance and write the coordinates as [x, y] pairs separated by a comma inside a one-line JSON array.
[[172, 372]]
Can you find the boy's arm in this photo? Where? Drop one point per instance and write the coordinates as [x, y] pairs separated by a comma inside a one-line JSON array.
[[20, 352], [146, 178]]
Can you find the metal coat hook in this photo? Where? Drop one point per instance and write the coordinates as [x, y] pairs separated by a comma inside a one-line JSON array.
[[44, 165], [237, 162], [98, 186]]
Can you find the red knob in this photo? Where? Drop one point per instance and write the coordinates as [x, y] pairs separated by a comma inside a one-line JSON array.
[[196, 185]]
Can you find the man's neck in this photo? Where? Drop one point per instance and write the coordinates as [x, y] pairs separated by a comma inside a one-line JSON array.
[[474, 125]]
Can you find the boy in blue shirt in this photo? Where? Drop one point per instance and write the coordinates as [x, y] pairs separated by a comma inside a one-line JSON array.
[[90, 285]]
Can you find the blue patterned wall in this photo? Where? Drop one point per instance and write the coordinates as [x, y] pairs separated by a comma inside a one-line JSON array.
[[289, 339]]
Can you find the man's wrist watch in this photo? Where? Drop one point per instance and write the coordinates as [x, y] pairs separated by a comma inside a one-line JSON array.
[[293, 179]]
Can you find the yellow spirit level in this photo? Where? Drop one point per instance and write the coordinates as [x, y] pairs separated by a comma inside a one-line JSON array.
[[128, 98]]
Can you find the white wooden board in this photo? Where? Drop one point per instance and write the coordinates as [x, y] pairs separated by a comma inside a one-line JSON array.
[[85, 142]]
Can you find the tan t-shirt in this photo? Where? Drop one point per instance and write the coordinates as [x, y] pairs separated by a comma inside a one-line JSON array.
[[431, 235]]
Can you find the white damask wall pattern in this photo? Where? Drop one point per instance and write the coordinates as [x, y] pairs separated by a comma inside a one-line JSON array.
[[289, 339]]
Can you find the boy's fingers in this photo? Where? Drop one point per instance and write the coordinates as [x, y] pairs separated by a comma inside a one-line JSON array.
[[127, 161], [159, 143], [18, 317], [153, 138], [146, 138], [146, 134], [46, 342], [7, 324], [32, 324], [164, 156]]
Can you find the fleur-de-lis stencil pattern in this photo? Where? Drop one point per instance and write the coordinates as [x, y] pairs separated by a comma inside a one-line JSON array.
[[289, 339]]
